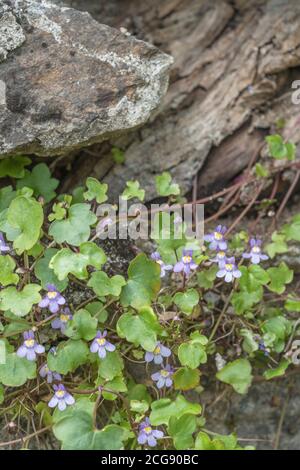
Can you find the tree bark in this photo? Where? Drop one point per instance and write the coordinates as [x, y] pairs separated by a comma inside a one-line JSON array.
[[231, 81]]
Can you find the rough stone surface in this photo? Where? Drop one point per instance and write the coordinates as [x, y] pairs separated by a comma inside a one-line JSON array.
[[234, 64], [68, 81]]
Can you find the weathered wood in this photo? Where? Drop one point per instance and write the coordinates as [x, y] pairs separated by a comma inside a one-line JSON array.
[[234, 64]]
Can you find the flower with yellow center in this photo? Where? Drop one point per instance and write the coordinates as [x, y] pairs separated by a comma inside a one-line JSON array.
[[101, 341], [64, 318], [164, 373], [51, 295], [157, 350], [60, 393], [229, 267], [148, 430], [256, 249], [186, 259], [29, 343], [218, 235]]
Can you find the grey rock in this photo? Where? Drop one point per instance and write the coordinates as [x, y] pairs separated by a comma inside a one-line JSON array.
[[68, 81]]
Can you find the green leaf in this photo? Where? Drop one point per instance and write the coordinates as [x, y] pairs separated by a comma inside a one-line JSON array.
[[280, 276], [69, 355], [291, 231], [97, 310], [237, 374], [251, 291], [192, 353], [25, 215], [133, 190], [278, 371], [1, 394], [186, 301], [75, 429], [261, 171], [279, 149], [16, 371], [14, 166], [103, 285], [164, 185], [45, 274], [59, 212], [111, 366], [6, 196], [204, 442], [258, 274], [182, 429], [278, 245], [82, 326], [76, 228], [39, 179], [249, 343], [186, 379], [2, 352], [164, 409], [7, 267], [115, 385], [141, 329], [206, 278], [143, 284], [292, 304], [96, 190], [279, 328], [66, 262], [20, 302], [118, 155], [243, 301]]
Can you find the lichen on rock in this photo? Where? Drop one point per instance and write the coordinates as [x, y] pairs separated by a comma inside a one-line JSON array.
[[70, 81]]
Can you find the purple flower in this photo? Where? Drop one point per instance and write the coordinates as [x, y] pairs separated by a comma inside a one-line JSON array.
[[262, 347], [163, 267], [220, 256], [53, 299], [3, 247], [60, 323], [163, 378], [30, 348], [61, 398], [158, 354], [216, 239], [228, 269], [255, 254], [100, 345], [186, 264], [147, 434], [46, 372]]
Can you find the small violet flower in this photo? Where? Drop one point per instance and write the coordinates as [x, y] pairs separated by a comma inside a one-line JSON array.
[[220, 256], [163, 267], [186, 264], [255, 252], [163, 378], [30, 348], [45, 372], [216, 239], [60, 323], [52, 300], [100, 345], [228, 270], [61, 398], [158, 354], [3, 246], [148, 435]]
